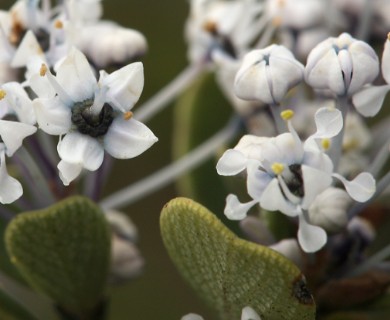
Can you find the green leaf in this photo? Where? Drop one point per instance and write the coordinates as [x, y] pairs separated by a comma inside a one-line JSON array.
[[231, 273], [199, 113], [64, 252]]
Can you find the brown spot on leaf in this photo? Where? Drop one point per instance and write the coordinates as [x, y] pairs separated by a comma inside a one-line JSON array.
[[301, 292]]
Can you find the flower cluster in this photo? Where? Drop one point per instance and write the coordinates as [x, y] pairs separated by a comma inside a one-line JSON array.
[[60, 94]]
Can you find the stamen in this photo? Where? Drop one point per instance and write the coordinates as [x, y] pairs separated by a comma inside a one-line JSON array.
[[287, 114], [210, 26], [127, 115], [388, 36], [2, 94], [58, 24], [43, 70], [325, 143], [277, 21], [277, 168]]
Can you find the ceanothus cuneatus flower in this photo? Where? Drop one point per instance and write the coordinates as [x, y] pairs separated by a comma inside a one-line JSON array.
[[92, 116], [286, 175], [267, 74], [17, 121], [227, 26], [341, 65]]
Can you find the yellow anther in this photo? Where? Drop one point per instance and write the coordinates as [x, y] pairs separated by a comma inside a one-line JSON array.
[[2, 94], [43, 70], [287, 114], [210, 26], [277, 168], [388, 36], [128, 115], [58, 24], [281, 3], [325, 143]]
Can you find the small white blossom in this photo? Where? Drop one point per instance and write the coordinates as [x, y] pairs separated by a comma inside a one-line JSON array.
[[268, 74], [92, 116], [341, 65], [296, 14], [226, 26], [106, 43], [287, 175], [329, 209]]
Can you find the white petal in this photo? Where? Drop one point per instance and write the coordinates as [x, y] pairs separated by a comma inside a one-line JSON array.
[[249, 314], [311, 238], [329, 122], [318, 160], [77, 148], [76, 77], [19, 102], [234, 209], [315, 182], [365, 65], [369, 100], [69, 171], [231, 163], [272, 199], [127, 139], [28, 48], [257, 180], [386, 60], [285, 74], [325, 73], [191, 316], [12, 133], [125, 86], [361, 189], [10, 188], [40, 85], [53, 116], [251, 81]]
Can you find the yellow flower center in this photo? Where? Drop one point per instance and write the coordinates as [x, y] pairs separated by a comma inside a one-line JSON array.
[[43, 70], [277, 168], [2, 94], [325, 143], [287, 114]]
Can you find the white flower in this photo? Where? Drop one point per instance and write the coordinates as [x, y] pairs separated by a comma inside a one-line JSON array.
[[286, 175], [342, 65], [106, 43], [92, 116], [227, 26], [296, 14], [267, 74], [17, 119]]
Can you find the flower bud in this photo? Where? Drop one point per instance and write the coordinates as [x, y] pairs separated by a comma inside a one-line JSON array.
[[267, 74], [342, 65], [329, 209]]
